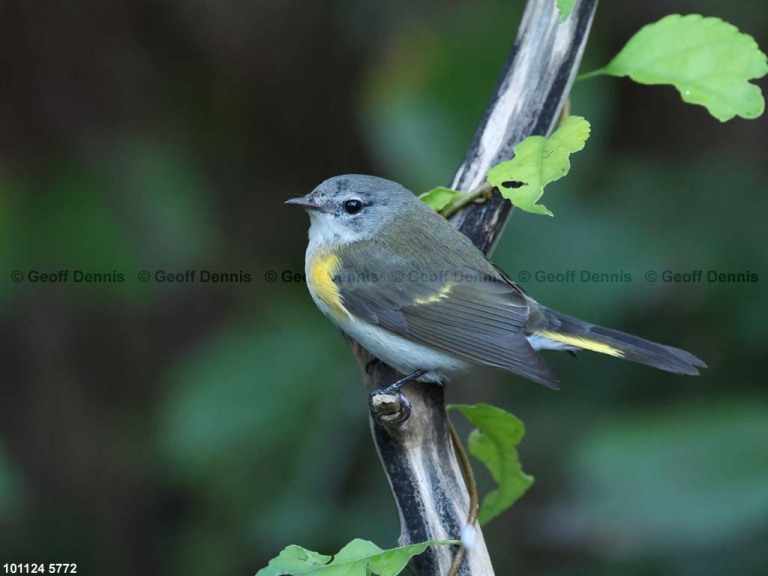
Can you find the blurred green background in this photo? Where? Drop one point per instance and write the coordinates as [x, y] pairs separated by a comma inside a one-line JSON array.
[[198, 428]]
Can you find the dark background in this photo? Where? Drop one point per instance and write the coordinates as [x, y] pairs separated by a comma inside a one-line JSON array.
[[198, 428]]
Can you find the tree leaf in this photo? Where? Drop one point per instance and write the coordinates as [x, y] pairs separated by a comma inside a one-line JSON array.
[[537, 162], [494, 444], [565, 7], [709, 62], [358, 558], [440, 198]]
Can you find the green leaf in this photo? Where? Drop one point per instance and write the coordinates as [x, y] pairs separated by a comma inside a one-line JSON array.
[[537, 162], [565, 7], [494, 444], [440, 198], [709, 62], [358, 558]]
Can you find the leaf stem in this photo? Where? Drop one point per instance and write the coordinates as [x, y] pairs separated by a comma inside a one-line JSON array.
[[483, 190], [588, 75], [469, 475], [566, 111]]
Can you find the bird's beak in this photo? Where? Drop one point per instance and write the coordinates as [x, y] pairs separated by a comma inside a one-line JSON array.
[[306, 202]]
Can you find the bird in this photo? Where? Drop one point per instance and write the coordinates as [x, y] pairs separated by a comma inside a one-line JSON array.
[[418, 295]]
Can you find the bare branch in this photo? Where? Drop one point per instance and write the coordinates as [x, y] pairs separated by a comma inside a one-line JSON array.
[[532, 90], [412, 434]]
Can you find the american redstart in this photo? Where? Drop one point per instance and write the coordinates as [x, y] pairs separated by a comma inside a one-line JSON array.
[[418, 295]]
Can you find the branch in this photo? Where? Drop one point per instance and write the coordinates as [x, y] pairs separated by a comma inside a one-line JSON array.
[[531, 93], [412, 434]]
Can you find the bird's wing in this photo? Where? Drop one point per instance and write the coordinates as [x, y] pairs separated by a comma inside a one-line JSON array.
[[475, 315]]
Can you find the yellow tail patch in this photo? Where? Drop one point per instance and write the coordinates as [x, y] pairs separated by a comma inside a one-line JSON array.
[[582, 342], [320, 281]]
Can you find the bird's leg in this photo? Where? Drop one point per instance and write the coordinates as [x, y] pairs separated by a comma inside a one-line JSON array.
[[389, 404], [395, 387]]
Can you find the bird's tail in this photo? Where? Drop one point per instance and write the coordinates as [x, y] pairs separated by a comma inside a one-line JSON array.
[[569, 331]]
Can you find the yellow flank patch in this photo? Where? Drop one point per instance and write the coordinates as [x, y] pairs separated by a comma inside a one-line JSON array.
[[432, 298], [320, 280], [582, 342]]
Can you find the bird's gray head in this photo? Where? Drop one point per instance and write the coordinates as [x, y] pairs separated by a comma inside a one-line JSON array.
[[353, 207]]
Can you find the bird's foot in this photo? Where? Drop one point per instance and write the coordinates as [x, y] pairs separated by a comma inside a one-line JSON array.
[[388, 404]]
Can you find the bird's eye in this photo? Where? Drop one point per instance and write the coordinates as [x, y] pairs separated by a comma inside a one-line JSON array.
[[353, 206]]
